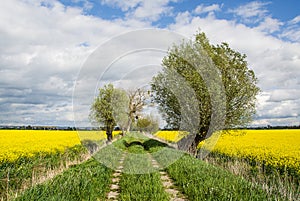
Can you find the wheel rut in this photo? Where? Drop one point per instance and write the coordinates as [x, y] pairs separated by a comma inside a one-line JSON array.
[[168, 183], [114, 187]]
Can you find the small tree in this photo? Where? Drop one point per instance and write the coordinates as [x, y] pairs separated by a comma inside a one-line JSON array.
[[120, 102], [181, 72], [109, 108], [148, 124], [137, 100], [143, 123]]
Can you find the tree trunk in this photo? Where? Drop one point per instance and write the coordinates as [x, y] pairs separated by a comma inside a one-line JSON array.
[[193, 147], [109, 133], [128, 124]]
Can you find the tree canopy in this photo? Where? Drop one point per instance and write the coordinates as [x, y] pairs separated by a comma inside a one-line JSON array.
[[204, 88], [110, 108]]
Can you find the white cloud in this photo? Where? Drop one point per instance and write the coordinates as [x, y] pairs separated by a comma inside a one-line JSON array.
[[41, 52], [151, 10], [279, 95], [183, 18], [143, 10], [269, 25], [252, 11], [291, 33], [124, 5], [207, 9], [296, 20]]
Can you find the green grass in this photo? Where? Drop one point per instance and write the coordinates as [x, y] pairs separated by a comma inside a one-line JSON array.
[[140, 181], [23, 172], [202, 181], [87, 181], [109, 156], [142, 187]]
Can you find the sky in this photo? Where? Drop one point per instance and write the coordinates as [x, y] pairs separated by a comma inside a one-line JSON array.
[[47, 48]]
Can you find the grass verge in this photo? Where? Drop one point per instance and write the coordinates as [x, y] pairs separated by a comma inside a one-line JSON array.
[[202, 181], [27, 171], [87, 181]]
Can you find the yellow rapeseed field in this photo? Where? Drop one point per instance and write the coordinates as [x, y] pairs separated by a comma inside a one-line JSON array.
[[95, 135], [27, 143], [277, 148], [171, 136]]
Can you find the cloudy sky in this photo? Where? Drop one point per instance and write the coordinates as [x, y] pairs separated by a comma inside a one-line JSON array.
[[45, 45]]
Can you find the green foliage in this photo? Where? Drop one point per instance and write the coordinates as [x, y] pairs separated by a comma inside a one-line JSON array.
[[143, 123], [148, 124], [109, 108], [120, 102], [204, 87]]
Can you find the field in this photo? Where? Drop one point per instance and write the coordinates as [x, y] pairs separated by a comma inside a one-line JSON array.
[[267, 157], [276, 148], [28, 157], [171, 136], [138, 168], [16, 144], [192, 178]]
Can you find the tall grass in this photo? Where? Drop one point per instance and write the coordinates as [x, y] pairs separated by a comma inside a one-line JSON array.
[[26, 171], [278, 183]]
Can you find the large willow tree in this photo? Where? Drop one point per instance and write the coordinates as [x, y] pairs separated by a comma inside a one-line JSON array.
[[204, 88]]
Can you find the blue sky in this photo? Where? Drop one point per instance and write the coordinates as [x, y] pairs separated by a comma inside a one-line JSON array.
[[44, 45]]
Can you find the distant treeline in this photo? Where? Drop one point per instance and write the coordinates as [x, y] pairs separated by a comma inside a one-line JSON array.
[[67, 128], [271, 127], [29, 127], [251, 128]]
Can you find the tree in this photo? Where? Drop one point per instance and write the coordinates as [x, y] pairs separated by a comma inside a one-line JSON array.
[[148, 124], [109, 108], [143, 123], [137, 101], [120, 102], [204, 88]]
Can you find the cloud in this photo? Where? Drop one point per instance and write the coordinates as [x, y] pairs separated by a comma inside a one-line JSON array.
[[44, 44], [252, 11], [123, 5], [207, 9], [269, 25], [143, 10], [292, 30], [296, 20], [41, 54]]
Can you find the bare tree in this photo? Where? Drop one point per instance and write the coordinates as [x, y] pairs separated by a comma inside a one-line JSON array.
[[137, 101]]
